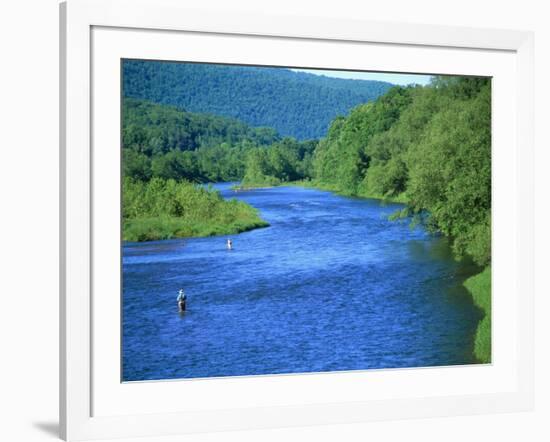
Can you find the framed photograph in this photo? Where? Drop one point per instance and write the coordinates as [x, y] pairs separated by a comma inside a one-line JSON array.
[[276, 221]]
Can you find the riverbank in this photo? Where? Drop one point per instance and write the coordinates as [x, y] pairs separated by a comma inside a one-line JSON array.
[[311, 184], [153, 229], [165, 209], [264, 183], [480, 288]]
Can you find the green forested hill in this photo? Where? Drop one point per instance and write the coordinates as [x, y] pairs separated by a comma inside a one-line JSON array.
[[294, 103], [155, 129], [170, 143]]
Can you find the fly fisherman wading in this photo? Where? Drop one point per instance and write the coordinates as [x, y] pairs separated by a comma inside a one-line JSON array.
[[182, 298]]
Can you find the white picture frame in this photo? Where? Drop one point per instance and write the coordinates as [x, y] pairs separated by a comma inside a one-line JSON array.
[[105, 29]]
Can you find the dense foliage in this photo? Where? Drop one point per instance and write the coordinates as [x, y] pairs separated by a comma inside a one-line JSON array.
[[155, 130], [286, 161], [163, 209], [165, 142], [429, 146], [343, 157], [295, 104]]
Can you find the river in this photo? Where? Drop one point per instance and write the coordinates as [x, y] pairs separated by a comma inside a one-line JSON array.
[[331, 285]]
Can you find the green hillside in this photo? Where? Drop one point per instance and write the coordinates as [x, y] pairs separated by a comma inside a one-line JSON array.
[[166, 142], [295, 104]]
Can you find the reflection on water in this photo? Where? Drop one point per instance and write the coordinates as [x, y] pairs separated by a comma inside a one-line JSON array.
[[331, 285]]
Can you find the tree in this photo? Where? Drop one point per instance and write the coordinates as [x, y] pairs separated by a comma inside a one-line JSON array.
[[176, 165], [136, 165]]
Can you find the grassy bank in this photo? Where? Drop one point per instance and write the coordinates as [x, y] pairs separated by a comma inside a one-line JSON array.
[[314, 184], [151, 229], [480, 288], [164, 209]]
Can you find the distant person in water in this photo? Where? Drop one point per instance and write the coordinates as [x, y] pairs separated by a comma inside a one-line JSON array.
[[182, 300], [229, 244]]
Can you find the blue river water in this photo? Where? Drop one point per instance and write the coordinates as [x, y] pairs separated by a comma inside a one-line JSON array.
[[331, 285]]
